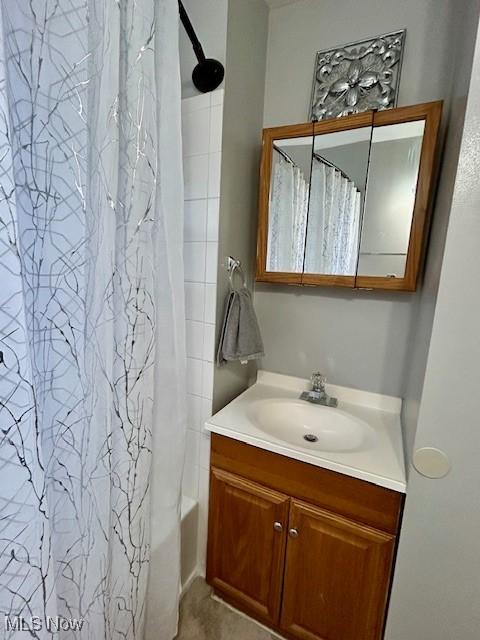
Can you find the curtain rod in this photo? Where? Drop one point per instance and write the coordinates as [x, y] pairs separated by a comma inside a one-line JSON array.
[[284, 155], [318, 158], [323, 160]]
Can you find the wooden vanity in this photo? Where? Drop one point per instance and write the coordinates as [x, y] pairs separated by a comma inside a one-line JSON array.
[[304, 550]]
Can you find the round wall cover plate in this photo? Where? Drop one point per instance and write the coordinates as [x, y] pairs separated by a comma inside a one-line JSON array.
[[431, 462]]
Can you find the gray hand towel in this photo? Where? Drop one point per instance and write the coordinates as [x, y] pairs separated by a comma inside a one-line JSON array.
[[240, 338]]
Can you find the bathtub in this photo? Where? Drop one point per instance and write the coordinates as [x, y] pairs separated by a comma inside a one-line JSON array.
[[189, 527]]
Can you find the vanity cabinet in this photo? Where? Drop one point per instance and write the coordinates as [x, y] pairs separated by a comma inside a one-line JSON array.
[[336, 576], [248, 547], [307, 551]]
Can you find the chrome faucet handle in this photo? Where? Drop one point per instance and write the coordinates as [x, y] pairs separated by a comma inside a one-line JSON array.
[[318, 381]]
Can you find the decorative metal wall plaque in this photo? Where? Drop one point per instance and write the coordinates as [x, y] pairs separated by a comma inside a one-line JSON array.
[[357, 77]]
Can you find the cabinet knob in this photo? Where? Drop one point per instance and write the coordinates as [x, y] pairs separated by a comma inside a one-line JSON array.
[[293, 533], [278, 526]]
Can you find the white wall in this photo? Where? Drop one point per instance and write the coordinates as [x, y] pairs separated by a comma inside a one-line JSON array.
[[464, 27], [357, 338], [222, 134], [209, 19], [436, 594], [202, 142]]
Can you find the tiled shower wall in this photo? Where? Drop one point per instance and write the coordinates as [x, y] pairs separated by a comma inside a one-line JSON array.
[[202, 141]]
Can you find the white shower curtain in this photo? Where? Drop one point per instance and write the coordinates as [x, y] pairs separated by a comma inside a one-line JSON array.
[[92, 349], [287, 217], [333, 222]]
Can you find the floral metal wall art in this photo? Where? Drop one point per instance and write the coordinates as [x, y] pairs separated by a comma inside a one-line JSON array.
[[357, 77]]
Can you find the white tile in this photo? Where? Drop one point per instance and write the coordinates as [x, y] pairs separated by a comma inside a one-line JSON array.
[[210, 303], [190, 481], [208, 342], [194, 301], [216, 97], [206, 410], [195, 222], [196, 132], [195, 412], [194, 338], [211, 262], [214, 170], [194, 256], [194, 376], [203, 487], [213, 219], [201, 101], [216, 127], [206, 413], [207, 380], [203, 495], [196, 171], [191, 466], [192, 447], [204, 450]]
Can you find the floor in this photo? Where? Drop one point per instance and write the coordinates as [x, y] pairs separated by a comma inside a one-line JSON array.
[[203, 618]]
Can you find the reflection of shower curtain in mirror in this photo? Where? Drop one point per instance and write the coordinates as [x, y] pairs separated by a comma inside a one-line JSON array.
[[333, 222], [288, 217]]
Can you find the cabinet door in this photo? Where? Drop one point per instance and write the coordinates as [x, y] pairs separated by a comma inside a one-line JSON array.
[[246, 544], [336, 578]]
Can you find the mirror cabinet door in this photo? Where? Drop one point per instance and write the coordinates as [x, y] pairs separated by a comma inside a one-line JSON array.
[[288, 204], [345, 202], [337, 193], [390, 199]]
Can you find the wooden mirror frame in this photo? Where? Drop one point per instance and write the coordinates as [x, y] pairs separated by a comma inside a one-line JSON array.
[[430, 112], [268, 138]]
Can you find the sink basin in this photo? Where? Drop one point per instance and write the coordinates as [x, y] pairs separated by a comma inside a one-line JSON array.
[[311, 426], [361, 438]]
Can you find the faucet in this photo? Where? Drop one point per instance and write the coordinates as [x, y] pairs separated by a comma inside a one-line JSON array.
[[318, 395]]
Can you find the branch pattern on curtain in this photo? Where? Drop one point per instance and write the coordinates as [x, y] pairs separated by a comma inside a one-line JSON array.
[[91, 357], [332, 242], [287, 216]]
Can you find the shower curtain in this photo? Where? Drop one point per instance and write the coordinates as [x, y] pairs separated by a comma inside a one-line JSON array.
[[287, 217], [91, 318], [333, 222]]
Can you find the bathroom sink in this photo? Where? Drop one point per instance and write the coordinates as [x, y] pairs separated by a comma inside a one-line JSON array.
[[361, 438], [311, 426]]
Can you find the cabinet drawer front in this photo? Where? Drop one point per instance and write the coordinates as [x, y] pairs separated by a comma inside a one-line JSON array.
[[246, 544], [337, 577], [361, 501]]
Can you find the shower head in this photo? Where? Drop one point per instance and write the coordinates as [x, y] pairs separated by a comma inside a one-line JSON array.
[[209, 73]]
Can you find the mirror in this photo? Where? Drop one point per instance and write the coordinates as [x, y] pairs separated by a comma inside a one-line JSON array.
[[345, 202], [288, 204], [390, 200], [337, 193]]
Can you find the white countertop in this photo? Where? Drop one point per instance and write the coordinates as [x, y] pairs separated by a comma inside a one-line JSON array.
[[381, 462]]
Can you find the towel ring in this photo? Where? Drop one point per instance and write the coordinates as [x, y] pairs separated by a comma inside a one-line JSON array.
[[234, 266]]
